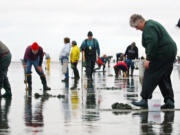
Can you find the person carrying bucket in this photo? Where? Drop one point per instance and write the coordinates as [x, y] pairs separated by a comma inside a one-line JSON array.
[[34, 56], [161, 52]]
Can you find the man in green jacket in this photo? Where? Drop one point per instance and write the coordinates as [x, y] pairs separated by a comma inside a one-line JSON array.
[[160, 54]]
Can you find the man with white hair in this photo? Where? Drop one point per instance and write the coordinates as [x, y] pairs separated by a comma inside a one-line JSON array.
[[160, 51]]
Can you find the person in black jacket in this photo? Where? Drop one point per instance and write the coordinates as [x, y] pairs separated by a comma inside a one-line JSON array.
[[131, 54]]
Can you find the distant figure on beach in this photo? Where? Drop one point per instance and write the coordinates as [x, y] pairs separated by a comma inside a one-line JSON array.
[[48, 60], [178, 24], [109, 60], [64, 58], [74, 58], [131, 54], [161, 52], [91, 49], [101, 62], [118, 57], [34, 56], [121, 66], [5, 60]]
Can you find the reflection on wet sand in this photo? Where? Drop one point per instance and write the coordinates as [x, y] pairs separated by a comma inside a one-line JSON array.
[[4, 111], [34, 119], [150, 126], [91, 107]]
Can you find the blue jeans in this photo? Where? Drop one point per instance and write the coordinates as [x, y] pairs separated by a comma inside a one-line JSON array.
[[130, 63], [67, 72], [35, 63]]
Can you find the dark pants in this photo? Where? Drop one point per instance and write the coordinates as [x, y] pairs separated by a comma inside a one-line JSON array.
[[99, 67], [4, 64], [158, 74], [75, 70], [90, 63], [130, 63]]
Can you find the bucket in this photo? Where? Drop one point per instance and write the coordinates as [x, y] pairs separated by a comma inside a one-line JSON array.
[[154, 105], [154, 117]]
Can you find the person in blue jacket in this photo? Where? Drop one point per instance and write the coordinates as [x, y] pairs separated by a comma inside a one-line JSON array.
[[91, 49]]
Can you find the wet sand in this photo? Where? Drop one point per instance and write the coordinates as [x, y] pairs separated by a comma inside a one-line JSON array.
[[83, 111]]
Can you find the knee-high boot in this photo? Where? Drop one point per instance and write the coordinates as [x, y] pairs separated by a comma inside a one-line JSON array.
[[7, 88], [29, 81], [43, 80]]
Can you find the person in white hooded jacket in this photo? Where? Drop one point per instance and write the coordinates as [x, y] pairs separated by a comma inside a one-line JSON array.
[[64, 58]]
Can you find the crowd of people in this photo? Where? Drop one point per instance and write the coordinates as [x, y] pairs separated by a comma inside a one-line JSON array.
[[160, 51]]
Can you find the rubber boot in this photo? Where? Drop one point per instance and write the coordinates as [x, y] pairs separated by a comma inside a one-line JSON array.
[[29, 81], [43, 80], [7, 88], [132, 71]]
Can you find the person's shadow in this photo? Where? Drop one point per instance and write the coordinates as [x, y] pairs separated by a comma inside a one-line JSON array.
[[4, 111]]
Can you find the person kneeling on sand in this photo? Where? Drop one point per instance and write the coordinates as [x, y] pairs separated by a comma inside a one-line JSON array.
[[121, 66]]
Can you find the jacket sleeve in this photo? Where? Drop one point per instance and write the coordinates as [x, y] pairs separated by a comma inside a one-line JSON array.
[[150, 42], [78, 51], [25, 56], [98, 49], [126, 51], [137, 53], [41, 56], [82, 46], [71, 55]]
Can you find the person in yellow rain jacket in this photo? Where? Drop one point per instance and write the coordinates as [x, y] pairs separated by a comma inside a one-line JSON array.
[[74, 57]]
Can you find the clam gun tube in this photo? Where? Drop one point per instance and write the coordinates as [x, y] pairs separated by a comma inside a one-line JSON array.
[[25, 78]]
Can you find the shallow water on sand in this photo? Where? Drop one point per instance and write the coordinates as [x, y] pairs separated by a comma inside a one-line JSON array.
[[82, 111]]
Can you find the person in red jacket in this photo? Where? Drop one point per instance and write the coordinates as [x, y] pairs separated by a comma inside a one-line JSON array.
[[121, 66]]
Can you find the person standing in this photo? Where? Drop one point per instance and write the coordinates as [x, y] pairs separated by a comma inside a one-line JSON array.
[[48, 60], [91, 49], [34, 56], [74, 58], [64, 58], [5, 60], [160, 51], [131, 54]]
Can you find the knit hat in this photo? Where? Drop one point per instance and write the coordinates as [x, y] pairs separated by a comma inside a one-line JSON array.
[[35, 46], [178, 25], [90, 33], [74, 43]]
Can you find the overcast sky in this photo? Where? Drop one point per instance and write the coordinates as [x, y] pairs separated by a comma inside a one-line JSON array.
[[49, 21]]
